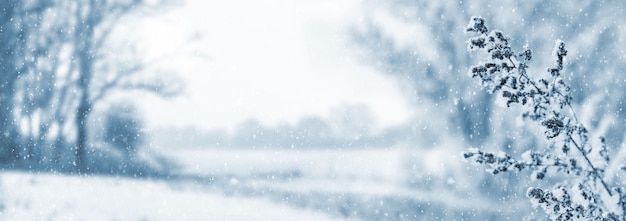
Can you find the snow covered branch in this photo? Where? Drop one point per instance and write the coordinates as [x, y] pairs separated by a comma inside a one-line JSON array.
[[583, 194]]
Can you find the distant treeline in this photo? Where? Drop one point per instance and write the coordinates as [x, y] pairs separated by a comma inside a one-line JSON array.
[[309, 132]]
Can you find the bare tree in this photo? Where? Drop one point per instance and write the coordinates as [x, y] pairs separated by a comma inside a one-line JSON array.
[[54, 70], [95, 21]]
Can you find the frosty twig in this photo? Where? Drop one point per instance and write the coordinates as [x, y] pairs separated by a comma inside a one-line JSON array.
[[505, 72]]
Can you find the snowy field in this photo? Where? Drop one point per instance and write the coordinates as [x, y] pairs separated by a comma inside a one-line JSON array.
[[212, 184], [55, 197]]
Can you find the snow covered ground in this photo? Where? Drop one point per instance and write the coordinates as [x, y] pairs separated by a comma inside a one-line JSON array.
[[271, 184], [29, 196]]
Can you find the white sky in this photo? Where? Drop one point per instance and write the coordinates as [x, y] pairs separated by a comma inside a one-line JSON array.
[[275, 60]]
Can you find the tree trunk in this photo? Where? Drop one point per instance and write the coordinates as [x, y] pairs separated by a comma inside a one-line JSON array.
[[84, 37], [84, 107], [82, 117]]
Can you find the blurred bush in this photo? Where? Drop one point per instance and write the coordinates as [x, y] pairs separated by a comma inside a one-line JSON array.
[[123, 129]]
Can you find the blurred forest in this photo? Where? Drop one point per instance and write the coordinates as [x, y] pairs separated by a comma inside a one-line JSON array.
[[59, 67]]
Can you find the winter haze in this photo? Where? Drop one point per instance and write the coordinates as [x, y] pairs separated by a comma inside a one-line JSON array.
[[289, 110]]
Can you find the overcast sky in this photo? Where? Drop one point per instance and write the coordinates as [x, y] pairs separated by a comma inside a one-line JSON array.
[[275, 60]]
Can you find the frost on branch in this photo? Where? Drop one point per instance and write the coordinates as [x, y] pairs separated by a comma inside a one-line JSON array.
[[498, 162], [583, 194], [565, 203]]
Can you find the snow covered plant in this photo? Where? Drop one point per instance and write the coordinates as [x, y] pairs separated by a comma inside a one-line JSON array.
[[581, 193]]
